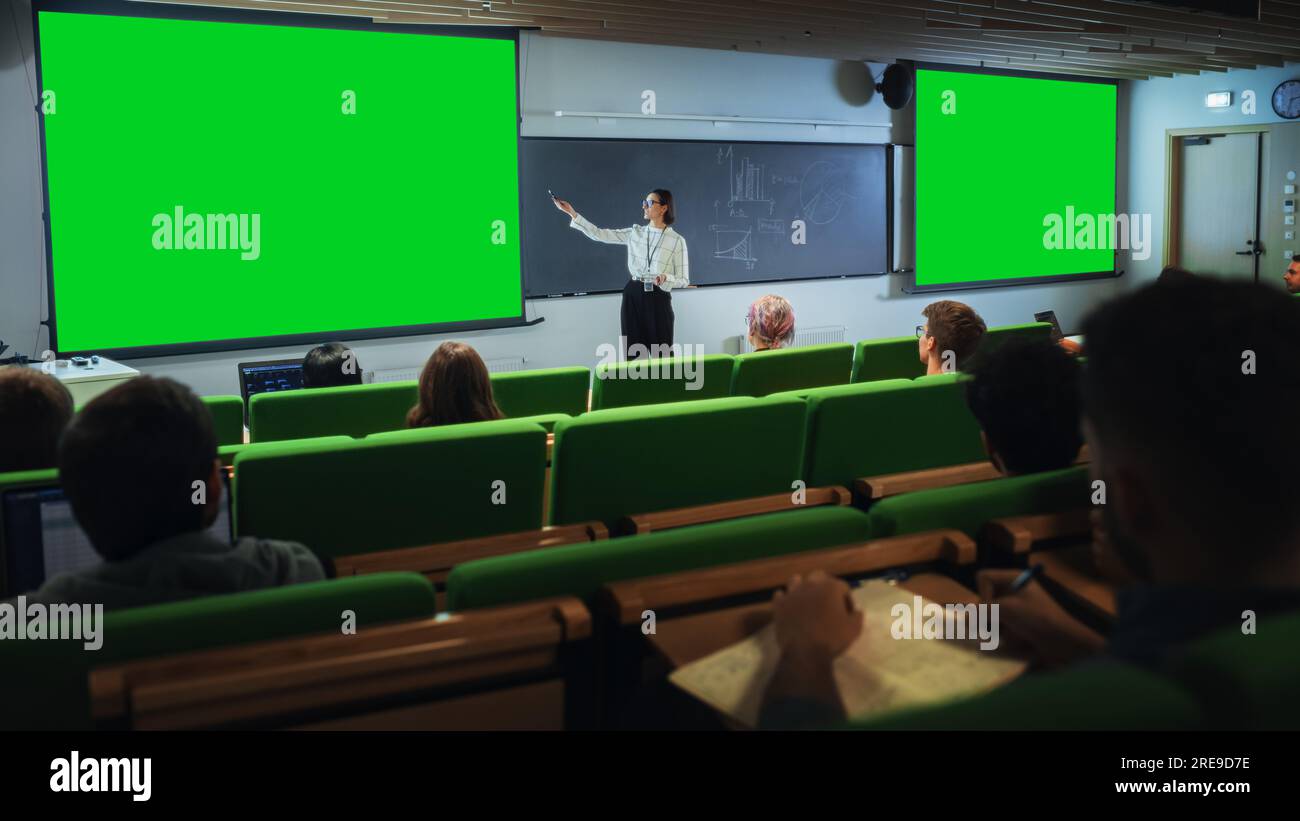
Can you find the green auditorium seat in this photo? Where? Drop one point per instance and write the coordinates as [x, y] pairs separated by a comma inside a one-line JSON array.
[[897, 357], [580, 570], [968, 507], [44, 685], [1029, 330], [1091, 697], [1246, 681], [888, 426], [655, 381], [763, 372], [613, 463], [227, 418], [396, 489], [349, 410], [552, 390]]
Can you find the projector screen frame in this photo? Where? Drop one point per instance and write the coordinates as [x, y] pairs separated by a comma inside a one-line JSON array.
[[169, 11], [911, 286]]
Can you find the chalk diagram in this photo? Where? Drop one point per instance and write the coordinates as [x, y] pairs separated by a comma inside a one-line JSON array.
[[748, 214]]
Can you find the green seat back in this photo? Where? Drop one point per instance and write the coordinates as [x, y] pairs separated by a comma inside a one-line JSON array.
[[655, 381], [552, 390], [785, 369], [613, 463], [44, 685], [1029, 330], [580, 570], [888, 426], [1246, 681], [968, 507], [896, 357], [1108, 696], [227, 418], [395, 489], [348, 410]]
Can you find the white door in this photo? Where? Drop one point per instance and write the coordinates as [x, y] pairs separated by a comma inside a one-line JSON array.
[[1219, 204]]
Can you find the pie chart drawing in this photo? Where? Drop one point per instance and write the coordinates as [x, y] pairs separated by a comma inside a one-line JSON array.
[[822, 193]]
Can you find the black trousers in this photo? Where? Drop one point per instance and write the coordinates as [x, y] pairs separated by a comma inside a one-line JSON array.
[[647, 318]]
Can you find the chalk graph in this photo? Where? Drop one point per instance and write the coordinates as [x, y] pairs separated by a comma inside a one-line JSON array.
[[818, 196]]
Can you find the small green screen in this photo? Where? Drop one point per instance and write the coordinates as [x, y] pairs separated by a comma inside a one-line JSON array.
[[213, 181], [1010, 171]]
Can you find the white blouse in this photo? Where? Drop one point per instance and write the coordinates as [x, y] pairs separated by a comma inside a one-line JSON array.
[[649, 250]]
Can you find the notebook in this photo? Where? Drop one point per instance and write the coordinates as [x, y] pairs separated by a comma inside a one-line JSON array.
[[877, 674]]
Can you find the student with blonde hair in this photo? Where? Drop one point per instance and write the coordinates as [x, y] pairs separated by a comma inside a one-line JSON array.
[[771, 323]]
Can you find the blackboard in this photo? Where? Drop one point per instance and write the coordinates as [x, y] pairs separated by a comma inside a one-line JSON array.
[[736, 207]]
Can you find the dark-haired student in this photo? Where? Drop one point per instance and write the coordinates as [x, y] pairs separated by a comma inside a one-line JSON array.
[[330, 365], [1173, 273], [131, 464], [1025, 397], [1292, 275], [1192, 455], [34, 409], [950, 336], [454, 388]]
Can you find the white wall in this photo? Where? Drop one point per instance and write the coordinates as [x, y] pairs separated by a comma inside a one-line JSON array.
[[577, 75], [1153, 106]]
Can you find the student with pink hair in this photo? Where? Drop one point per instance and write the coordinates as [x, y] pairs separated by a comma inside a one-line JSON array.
[[771, 323]]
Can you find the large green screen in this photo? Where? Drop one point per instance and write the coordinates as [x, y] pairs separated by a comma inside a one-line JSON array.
[[1010, 174], [211, 183]]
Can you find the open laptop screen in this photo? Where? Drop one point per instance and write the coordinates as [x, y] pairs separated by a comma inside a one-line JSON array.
[[43, 539]]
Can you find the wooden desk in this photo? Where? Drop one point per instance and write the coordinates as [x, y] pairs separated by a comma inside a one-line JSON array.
[[685, 639]]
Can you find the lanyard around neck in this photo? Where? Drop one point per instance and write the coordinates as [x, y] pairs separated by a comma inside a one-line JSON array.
[[649, 255]]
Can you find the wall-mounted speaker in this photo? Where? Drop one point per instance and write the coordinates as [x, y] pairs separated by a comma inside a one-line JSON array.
[[896, 86]]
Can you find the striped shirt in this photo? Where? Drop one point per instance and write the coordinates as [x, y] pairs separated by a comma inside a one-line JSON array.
[[649, 250]]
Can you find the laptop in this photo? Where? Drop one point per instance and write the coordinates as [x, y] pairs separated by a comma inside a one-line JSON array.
[[267, 377], [41, 537]]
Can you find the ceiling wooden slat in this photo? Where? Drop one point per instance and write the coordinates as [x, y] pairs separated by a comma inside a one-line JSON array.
[[1118, 38]]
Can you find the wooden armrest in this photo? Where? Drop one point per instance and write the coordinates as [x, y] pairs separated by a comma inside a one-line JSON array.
[[721, 511], [262, 678], [1071, 569], [626, 600], [1017, 534], [436, 561], [892, 484]]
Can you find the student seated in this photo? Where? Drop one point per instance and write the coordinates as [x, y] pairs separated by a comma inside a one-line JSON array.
[[34, 409], [454, 388], [1292, 275], [771, 323], [950, 336], [1173, 273], [330, 365], [1193, 456], [1025, 396], [139, 466]]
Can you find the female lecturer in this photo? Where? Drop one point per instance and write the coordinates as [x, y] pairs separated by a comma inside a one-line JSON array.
[[656, 260]]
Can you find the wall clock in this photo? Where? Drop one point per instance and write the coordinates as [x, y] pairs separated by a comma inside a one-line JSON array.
[[1286, 100]]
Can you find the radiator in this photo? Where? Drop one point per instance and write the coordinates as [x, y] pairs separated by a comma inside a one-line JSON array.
[[820, 335]]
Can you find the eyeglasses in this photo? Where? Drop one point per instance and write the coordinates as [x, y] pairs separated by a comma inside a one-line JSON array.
[[648, 203], [920, 331]]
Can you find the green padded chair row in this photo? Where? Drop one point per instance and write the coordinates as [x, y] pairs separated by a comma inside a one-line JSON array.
[[656, 381], [550, 390], [360, 410], [1225, 681], [612, 463], [227, 418], [888, 426], [899, 357], [394, 489], [580, 570], [968, 507], [765, 372], [44, 685]]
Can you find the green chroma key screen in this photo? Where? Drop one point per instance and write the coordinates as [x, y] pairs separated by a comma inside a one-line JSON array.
[[223, 181], [1001, 160]]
